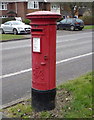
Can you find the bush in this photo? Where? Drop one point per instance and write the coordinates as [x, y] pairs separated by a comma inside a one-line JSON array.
[[3, 20], [88, 20], [26, 21]]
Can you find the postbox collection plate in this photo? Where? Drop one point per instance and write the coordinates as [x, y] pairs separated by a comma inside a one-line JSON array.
[[36, 44]]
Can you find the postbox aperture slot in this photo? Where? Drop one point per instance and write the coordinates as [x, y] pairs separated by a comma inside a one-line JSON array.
[[37, 30]]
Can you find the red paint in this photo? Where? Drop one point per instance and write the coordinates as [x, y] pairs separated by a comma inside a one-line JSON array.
[[44, 61]]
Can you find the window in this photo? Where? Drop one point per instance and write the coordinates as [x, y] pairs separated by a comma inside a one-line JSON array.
[[55, 7], [69, 21], [78, 20], [33, 5], [63, 21], [7, 23], [3, 16], [3, 6]]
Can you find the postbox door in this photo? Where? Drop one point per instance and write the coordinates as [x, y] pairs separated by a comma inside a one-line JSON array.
[[40, 63]]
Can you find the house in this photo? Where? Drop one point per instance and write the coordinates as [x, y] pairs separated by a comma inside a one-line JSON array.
[[12, 8], [19, 8]]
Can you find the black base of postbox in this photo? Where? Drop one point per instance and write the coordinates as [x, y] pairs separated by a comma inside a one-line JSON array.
[[43, 100]]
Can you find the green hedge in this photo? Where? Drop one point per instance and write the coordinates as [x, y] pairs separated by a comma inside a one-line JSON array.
[[3, 20], [26, 21], [88, 20]]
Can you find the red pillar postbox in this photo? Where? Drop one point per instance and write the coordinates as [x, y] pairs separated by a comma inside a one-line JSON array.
[[43, 33]]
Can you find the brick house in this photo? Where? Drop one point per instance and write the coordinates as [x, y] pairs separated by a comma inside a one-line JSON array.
[[19, 8], [16, 8]]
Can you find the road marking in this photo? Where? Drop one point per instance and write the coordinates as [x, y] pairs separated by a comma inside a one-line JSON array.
[[16, 73], [69, 59], [58, 62]]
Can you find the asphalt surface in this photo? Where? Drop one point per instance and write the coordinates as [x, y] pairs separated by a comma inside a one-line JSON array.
[[74, 58]]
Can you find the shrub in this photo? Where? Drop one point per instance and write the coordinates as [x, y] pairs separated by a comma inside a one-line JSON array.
[[3, 20], [26, 21], [88, 20]]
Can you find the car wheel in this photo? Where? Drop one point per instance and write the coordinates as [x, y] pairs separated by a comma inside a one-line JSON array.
[[2, 31], [72, 28], [15, 32]]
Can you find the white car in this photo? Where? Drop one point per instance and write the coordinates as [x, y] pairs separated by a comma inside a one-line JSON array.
[[15, 27]]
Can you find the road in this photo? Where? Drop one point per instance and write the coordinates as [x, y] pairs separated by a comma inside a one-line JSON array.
[[73, 56]]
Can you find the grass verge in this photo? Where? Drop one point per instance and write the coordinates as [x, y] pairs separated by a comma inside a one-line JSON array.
[[5, 37], [89, 27], [74, 100], [81, 104]]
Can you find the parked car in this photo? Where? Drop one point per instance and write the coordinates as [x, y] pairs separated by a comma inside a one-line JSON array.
[[15, 27], [71, 24]]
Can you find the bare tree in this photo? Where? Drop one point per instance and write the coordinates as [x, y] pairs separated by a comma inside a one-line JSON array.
[[74, 7]]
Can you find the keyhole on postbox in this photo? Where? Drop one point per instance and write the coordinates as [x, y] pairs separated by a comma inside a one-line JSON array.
[[45, 57]]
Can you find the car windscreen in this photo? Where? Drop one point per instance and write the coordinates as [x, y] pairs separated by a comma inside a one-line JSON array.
[[69, 20], [63, 21], [79, 20], [7, 23], [17, 23]]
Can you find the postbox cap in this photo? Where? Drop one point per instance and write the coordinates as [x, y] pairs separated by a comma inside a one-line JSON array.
[[43, 14]]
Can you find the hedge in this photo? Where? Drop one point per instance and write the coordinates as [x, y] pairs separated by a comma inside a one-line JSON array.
[[88, 20], [3, 20], [26, 21]]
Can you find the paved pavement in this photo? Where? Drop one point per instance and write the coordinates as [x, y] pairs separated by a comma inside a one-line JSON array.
[[74, 58]]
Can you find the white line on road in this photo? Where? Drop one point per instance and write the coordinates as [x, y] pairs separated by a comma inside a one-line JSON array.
[[58, 62], [16, 73], [69, 59]]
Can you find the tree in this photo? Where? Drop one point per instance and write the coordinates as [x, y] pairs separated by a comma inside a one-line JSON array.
[[79, 7]]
